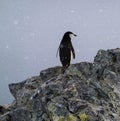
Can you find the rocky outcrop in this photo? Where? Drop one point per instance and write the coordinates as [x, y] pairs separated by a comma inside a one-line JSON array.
[[85, 92]]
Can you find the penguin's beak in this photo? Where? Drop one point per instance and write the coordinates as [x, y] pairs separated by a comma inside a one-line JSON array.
[[72, 35], [75, 35]]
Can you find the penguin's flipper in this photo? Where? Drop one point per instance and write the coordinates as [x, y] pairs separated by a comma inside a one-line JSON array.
[[57, 52]]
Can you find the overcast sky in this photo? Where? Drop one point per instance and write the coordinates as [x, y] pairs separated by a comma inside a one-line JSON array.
[[31, 30]]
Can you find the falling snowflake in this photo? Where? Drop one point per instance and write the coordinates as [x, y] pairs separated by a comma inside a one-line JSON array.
[[22, 38], [16, 22], [26, 20], [27, 17], [101, 41], [7, 46], [32, 34], [101, 10], [72, 11], [26, 57]]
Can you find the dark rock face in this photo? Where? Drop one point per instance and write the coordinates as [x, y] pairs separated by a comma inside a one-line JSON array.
[[85, 92]]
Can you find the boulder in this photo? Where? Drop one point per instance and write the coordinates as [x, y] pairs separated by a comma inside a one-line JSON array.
[[84, 92]]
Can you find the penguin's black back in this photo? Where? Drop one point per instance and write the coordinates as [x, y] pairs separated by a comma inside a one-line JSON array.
[[65, 50]]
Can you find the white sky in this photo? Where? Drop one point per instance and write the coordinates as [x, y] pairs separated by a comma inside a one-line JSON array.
[[31, 30]]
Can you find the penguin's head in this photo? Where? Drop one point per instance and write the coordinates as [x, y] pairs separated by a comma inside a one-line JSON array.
[[69, 34]]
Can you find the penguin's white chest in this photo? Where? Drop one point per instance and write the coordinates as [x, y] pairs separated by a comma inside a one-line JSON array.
[[71, 55]]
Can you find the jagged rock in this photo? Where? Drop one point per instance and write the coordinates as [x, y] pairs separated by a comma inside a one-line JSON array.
[[85, 92], [4, 109]]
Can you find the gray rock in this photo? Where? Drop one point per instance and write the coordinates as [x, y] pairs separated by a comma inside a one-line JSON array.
[[20, 114], [85, 92]]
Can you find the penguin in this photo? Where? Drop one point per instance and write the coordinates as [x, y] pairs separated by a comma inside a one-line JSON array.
[[66, 50]]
